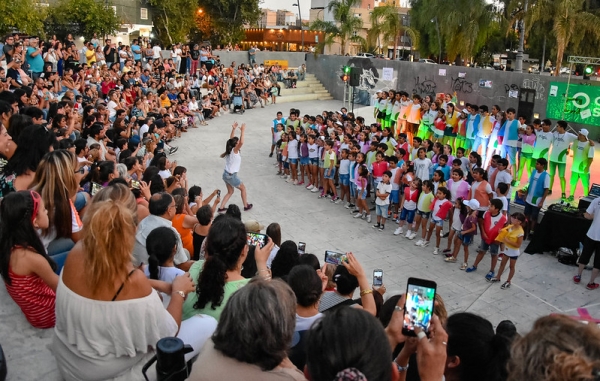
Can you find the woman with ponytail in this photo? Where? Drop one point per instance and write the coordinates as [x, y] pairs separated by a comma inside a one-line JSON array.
[[220, 275], [161, 245], [108, 317], [233, 161]]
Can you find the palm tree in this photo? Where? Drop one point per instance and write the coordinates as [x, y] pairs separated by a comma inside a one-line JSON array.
[[343, 27], [386, 21], [570, 22]]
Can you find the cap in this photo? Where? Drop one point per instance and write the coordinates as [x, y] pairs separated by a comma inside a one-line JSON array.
[[378, 92], [473, 204], [253, 226], [465, 111], [584, 132], [339, 123]]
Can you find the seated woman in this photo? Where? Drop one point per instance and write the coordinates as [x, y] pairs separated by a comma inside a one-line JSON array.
[[200, 230], [184, 223], [101, 173], [220, 275], [262, 310], [161, 245], [55, 180], [27, 271], [347, 278], [108, 317]]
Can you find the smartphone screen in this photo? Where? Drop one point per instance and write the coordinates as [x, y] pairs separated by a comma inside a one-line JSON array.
[[135, 184], [256, 239], [301, 247], [377, 278], [95, 188], [335, 258], [418, 310]]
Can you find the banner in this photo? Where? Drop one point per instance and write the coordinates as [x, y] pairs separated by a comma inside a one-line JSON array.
[[582, 106]]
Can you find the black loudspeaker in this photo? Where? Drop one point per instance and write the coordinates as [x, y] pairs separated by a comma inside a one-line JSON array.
[[355, 73]]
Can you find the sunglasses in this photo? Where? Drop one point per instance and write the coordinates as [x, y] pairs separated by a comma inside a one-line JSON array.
[[37, 199]]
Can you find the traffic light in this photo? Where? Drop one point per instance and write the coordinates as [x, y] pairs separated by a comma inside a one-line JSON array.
[[345, 77], [587, 71]]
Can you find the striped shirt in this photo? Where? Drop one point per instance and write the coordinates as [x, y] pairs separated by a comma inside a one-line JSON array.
[[35, 298]]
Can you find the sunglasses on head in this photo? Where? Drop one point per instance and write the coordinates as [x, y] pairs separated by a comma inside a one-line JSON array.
[[37, 199]]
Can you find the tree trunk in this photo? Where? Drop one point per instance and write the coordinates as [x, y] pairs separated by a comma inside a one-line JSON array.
[[396, 46], [560, 50], [167, 26], [343, 44]]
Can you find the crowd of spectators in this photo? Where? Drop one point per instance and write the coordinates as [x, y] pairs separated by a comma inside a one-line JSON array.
[[103, 239]]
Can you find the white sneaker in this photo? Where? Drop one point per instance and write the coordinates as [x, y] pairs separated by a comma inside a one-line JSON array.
[[425, 243], [284, 176], [369, 218], [295, 182], [436, 251], [419, 242], [289, 180], [358, 215], [347, 206], [442, 233], [412, 235], [398, 231], [315, 190], [339, 200], [310, 187], [408, 234], [363, 216]]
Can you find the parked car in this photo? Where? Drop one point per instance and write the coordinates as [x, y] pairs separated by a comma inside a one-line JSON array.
[[365, 55], [427, 61]]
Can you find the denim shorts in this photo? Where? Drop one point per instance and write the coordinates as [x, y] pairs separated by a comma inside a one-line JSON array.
[[395, 197], [329, 173], [493, 248], [362, 194], [407, 215], [321, 163], [293, 161], [466, 240], [345, 179], [424, 215], [80, 201], [352, 190], [382, 211], [304, 161], [286, 165], [231, 179], [314, 161], [439, 223]]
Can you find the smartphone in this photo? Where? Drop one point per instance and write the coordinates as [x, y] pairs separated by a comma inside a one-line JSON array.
[[418, 309], [301, 247], [335, 258], [218, 194], [256, 239], [135, 184], [377, 277], [95, 188]]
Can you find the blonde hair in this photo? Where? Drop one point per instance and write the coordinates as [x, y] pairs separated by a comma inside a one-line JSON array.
[[55, 181], [109, 235], [558, 348]]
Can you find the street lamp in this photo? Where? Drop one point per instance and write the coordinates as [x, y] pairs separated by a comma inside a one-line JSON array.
[[200, 11], [297, 4], [437, 29]]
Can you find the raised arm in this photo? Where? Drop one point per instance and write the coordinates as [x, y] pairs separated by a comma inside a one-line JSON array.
[[241, 141], [233, 128]]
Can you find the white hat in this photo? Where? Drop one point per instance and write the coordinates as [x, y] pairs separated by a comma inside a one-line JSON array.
[[465, 111], [339, 123], [253, 226], [473, 204], [584, 132]]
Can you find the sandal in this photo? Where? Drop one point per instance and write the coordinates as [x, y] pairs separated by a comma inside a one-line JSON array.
[[221, 210], [505, 285], [247, 208]]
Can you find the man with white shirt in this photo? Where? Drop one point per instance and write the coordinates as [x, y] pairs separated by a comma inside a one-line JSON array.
[[583, 155], [591, 245], [561, 141]]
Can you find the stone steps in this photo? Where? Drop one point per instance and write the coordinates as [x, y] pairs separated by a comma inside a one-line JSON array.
[[309, 89]]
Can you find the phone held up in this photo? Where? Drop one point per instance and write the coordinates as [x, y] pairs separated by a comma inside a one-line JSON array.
[[301, 247], [377, 278], [256, 239], [418, 310], [335, 258]]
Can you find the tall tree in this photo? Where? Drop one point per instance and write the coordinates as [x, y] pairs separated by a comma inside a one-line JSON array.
[[82, 18], [571, 23], [229, 17], [174, 19], [387, 21], [344, 26], [21, 15]]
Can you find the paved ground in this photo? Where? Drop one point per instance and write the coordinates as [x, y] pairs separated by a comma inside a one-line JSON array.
[[540, 286]]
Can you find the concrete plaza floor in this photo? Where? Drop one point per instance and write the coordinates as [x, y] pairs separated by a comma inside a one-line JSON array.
[[541, 285]]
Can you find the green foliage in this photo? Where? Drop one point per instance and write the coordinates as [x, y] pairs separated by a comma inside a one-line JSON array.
[[82, 18], [387, 22], [174, 19], [229, 16], [342, 29], [21, 15]]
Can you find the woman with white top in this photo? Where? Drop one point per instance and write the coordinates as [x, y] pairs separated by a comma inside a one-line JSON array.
[[233, 161]]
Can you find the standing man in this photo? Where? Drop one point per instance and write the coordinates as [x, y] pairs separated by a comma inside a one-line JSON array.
[[537, 191], [561, 141], [110, 53], [591, 245], [34, 58], [9, 49], [583, 155], [136, 50], [195, 56], [510, 139], [252, 55]]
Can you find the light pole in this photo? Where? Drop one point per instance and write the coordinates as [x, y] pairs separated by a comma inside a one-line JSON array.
[[519, 60], [297, 4], [437, 29]]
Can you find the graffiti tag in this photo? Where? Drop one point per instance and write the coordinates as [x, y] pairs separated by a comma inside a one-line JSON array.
[[425, 87], [510, 87], [462, 85], [535, 84]]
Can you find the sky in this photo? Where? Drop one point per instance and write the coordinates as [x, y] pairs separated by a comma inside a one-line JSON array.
[[287, 4]]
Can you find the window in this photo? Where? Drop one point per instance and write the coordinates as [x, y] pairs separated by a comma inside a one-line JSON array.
[[368, 6], [114, 8], [144, 13]]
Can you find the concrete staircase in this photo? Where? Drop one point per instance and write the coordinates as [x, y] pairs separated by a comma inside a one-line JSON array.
[[308, 90]]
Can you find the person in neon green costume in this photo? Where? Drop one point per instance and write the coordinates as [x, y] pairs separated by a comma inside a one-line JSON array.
[[583, 155]]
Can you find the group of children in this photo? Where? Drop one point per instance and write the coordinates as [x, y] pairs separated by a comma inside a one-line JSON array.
[[418, 186]]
